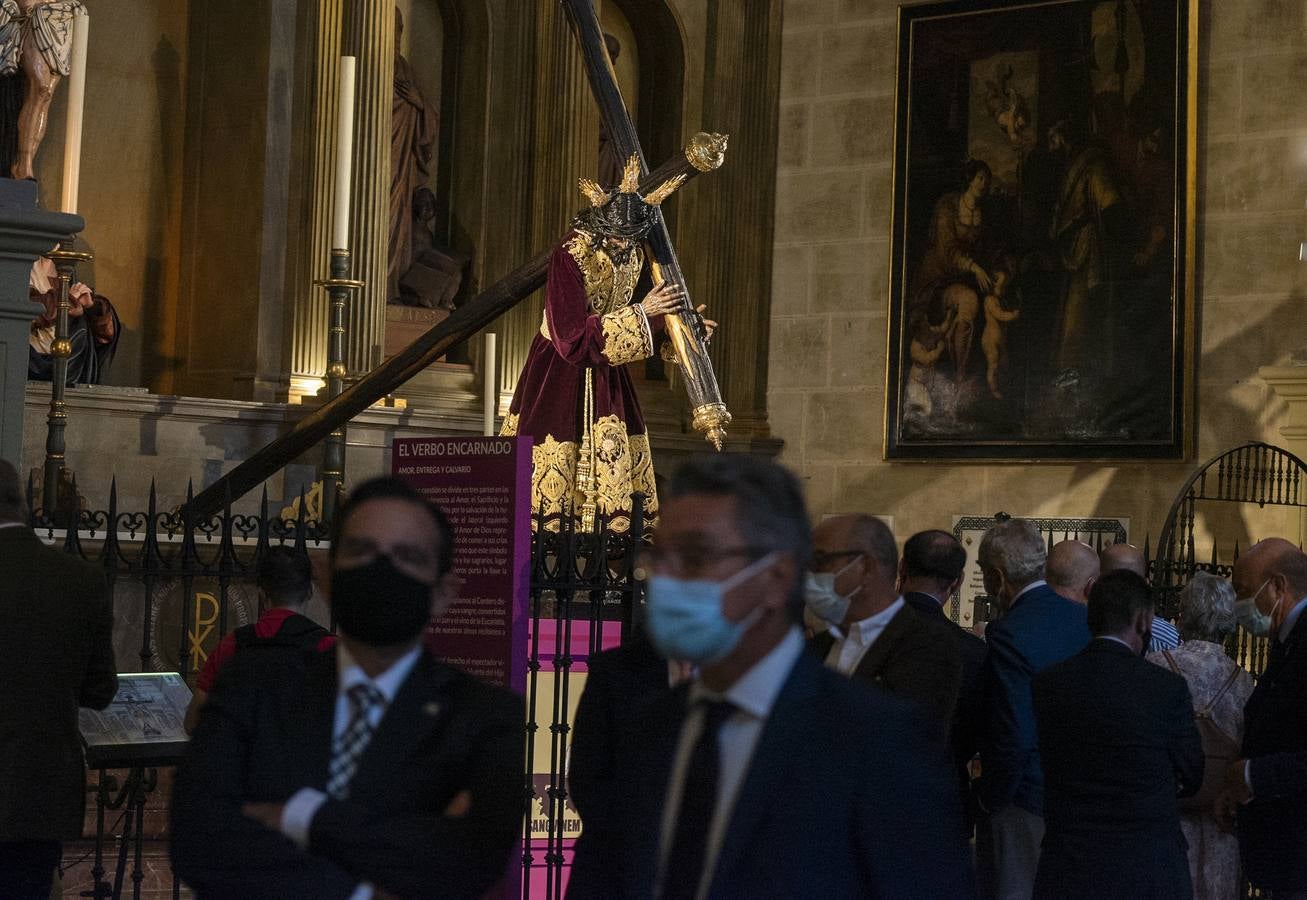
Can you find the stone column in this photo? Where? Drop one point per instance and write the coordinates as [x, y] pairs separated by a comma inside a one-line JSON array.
[[725, 243], [25, 233], [309, 313], [565, 147], [370, 36], [1290, 385]]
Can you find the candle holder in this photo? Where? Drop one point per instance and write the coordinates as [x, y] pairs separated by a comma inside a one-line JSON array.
[[339, 286], [61, 349]]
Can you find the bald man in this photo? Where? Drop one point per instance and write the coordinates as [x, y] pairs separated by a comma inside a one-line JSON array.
[[1116, 557], [1268, 788], [853, 586], [1072, 569]]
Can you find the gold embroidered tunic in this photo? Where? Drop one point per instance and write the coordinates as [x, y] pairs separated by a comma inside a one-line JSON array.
[[575, 396]]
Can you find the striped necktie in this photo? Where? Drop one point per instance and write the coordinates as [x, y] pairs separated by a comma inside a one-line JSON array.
[[348, 747]]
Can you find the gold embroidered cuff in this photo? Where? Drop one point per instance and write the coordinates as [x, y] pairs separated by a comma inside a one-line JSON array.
[[626, 336]]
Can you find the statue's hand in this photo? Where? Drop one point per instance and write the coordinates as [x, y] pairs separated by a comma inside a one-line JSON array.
[[709, 326], [80, 299], [662, 300]]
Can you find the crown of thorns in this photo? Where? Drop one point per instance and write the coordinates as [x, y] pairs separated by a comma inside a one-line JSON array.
[[624, 212]]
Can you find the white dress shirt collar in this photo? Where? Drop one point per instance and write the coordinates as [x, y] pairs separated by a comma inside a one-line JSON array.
[[756, 690], [1025, 590], [1112, 637], [388, 682], [867, 629]]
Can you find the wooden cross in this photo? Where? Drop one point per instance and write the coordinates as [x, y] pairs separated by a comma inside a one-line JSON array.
[[704, 153], [685, 328]]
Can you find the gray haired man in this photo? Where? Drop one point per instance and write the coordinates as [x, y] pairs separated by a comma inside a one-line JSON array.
[[1038, 628]]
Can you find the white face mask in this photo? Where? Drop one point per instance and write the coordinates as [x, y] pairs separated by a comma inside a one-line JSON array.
[[1251, 617], [821, 597]]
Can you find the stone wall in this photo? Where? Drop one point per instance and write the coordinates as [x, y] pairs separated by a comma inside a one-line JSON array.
[[828, 328]]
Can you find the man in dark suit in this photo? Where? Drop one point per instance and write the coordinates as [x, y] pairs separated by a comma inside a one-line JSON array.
[[56, 644], [1038, 628], [1116, 557], [1268, 787], [1118, 744], [769, 775], [618, 683], [371, 771], [853, 586], [930, 573]]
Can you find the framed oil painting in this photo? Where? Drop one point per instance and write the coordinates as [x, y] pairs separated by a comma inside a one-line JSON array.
[[1041, 302]]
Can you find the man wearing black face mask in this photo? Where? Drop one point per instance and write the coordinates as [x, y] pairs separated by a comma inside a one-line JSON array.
[[374, 771], [1118, 744]]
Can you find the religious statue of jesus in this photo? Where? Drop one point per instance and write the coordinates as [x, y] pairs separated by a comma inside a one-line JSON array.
[[36, 36], [575, 396]]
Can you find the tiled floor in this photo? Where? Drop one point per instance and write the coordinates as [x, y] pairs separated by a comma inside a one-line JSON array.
[[155, 885]]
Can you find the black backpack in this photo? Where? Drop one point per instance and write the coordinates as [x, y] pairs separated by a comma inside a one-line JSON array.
[[297, 632]]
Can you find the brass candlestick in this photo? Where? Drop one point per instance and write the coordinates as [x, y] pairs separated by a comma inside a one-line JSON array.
[[65, 262], [338, 286]]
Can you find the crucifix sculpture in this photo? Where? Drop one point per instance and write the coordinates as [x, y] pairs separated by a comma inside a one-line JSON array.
[[704, 153]]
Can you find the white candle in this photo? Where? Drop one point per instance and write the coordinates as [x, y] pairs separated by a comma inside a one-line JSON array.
[[344, 155], [76, 105], [492, 388]]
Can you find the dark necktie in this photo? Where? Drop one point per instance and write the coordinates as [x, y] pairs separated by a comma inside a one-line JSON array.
[[347, 749], [685, 863]]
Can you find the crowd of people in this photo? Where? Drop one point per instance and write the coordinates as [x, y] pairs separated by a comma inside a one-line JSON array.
[[797, 717], [1096, 750]]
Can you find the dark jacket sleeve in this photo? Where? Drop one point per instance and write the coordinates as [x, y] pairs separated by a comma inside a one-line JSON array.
[[1011, 734], [1186, 742], [100, 680], [428, 854], [217, 850]]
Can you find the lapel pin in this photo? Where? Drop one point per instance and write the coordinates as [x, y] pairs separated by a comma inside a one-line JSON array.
[[431, 709]]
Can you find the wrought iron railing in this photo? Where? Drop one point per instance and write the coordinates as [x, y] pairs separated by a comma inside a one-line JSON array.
[[583, 596]]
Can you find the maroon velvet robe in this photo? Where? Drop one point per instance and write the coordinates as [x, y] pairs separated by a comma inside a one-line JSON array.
[[575, 396]]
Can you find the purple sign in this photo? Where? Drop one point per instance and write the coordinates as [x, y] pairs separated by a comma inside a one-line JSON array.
[[484, 485]]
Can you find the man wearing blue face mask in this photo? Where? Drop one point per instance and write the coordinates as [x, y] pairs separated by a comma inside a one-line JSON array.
[[768, 775], [1267, 789], [370, 772]]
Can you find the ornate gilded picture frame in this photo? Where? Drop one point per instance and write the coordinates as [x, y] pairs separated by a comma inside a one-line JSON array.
[[1042, 288]]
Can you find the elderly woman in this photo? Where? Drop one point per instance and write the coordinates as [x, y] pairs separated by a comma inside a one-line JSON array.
[[1217, 685]]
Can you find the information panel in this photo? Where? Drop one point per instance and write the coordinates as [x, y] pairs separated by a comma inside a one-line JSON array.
[[971, 605], [484, 485], [141, 726]]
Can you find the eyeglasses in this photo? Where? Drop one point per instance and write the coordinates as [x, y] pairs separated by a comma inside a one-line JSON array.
[[820, 560], [693, 560]]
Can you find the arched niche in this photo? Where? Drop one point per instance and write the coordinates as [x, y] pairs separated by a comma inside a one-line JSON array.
[[423, 45], [660, 55]]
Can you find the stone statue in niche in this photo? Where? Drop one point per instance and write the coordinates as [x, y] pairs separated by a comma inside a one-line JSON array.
[[36, 38], [412, 146], [93, 329], [435, 273]]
